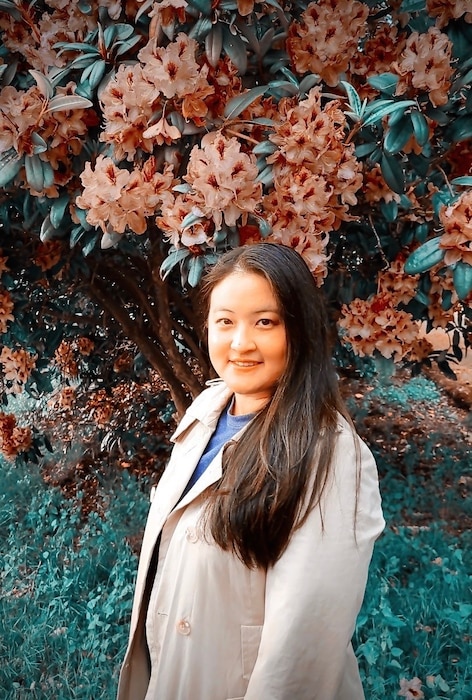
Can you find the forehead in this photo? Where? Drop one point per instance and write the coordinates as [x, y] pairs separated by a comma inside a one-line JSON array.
[[248, 288]]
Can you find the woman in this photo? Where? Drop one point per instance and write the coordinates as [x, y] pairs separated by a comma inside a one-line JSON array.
[[259, 537]]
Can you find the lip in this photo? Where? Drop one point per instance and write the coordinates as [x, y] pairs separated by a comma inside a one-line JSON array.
[[245, 363]]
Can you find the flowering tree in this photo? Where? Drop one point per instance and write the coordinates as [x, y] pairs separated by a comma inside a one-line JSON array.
[[140, 139]]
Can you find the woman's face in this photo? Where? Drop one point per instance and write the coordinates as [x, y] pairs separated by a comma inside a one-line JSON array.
[[247, 339]]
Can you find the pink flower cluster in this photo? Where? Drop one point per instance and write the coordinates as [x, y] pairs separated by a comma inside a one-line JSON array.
[[457, 237], [17, 367], [316, 177], [13, 439], [375, 325], [327, 38]]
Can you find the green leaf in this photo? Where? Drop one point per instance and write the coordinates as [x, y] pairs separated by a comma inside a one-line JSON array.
[[386, 82], [266, 176], [462, 276], [201, 29], [214, 44], [76, 235], [39, 144], [365, 149], [34, 172], [203, 6], [235, 48], [413, 6], [264, 227], [191, 219], [389, 210], [96, 73], [264, 148], [174, 258], [425, 257], [354, 100], [75, 46], [8, 72], [308, 82], [47, 231], [196, 266], [393, 174], [238, 104], [58, 209], [465, 180], [398, 135], [420, 127], [121, 47], [90, 245], [437, 115], [392, 106], [10, 166], [65, 102], [43, 83], [460, 129]]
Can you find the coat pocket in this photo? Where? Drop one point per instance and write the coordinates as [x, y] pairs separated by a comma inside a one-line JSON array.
[[250, 641]]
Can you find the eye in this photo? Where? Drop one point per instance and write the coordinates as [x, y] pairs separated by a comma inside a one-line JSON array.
[[266, 322], [223, 321]]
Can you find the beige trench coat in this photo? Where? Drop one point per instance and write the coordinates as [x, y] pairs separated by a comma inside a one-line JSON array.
[[219, 631]]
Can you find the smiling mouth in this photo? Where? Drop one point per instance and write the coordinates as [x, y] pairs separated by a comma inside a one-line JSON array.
[[242, 363]]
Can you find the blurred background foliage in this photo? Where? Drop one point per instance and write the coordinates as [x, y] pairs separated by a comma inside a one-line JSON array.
[[69, 560], [139, 140]]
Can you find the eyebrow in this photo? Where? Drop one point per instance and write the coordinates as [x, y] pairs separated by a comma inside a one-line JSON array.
[[258, 311]]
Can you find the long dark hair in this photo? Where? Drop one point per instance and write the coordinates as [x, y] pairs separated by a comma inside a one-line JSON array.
[[277, 472]]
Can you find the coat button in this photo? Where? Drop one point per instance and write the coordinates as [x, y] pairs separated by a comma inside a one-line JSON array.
[[183, 627], [191, 535]]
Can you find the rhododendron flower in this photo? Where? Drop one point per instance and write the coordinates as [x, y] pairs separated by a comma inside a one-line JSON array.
[[316, 175], [48, 254], [375, 187], [457, 237], [395, 281], [35, 41], [411, 689], [65, 398], [445, 10], [17, 367], [376, 325], [378, 53], [129, 103], [117, 199], [165, 13], [174, 71], [3, 263], [64, 358], [171, 219], [6, 308], [442, 284], [85, 346], [13, 440], [327, 37], [425, 65], [223, 180]]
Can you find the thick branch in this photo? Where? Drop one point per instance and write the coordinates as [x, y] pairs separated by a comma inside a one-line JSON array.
[[153, 355], [160, 322]]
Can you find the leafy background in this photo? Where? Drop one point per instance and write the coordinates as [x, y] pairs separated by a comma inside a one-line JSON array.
[[69, 552]]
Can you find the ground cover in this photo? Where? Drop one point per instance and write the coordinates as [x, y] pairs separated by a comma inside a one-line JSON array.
[[69, 542]]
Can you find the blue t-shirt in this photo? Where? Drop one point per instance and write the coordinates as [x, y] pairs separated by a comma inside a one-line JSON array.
[[227, 426]]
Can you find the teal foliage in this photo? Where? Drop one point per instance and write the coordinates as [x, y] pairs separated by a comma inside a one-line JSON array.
[[66, 588], [403, 395], [67, 580]]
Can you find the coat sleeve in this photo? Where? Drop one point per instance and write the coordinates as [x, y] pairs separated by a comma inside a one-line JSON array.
[[315, 590]]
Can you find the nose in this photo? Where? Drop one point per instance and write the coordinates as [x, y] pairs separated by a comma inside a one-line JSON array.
[[242, 339]]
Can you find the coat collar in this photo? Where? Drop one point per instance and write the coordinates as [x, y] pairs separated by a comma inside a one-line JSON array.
[[206, 408]]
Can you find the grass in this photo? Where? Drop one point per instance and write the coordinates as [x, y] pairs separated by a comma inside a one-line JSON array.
[[67, 583]]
